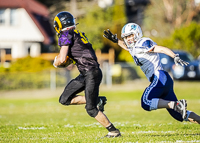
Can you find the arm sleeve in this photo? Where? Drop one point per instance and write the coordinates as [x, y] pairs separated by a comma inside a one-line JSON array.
[[65, 39], [148, 45]]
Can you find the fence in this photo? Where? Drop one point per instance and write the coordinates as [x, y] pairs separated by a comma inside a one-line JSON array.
[[113, 73], [110, 56], [118, 73]]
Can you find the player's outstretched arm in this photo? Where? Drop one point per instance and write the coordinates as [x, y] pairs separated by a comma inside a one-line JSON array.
[[108, 34], [122, 44], [167, 51]]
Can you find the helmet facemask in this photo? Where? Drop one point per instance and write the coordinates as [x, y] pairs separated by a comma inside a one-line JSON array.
[[68, 21]]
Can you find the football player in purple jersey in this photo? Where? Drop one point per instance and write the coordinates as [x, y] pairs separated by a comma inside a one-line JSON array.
[[160, 93], [75, 48]]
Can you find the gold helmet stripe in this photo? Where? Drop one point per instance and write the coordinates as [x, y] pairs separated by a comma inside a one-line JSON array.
[[59, 24]]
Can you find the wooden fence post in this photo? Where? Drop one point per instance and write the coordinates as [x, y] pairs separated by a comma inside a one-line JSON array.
[[110, 56], [3, 53]]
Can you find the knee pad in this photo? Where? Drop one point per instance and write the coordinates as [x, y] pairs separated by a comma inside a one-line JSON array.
[[92, 111]]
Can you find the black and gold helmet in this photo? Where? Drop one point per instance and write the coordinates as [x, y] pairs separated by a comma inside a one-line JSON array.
[[63, 21]]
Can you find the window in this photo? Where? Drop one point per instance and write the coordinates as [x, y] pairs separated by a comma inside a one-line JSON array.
[[2, 17], [7, 51], [6, 54], [13, 17]]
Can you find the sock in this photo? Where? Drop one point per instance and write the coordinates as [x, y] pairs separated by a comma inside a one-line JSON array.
[[111, 128], [171, 104]]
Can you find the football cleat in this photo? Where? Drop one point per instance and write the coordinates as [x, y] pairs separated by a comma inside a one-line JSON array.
[[113, 134], [101, 103], [181, 107]]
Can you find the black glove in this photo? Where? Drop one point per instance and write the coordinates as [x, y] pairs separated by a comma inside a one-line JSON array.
[[179, 61], [110, 36]]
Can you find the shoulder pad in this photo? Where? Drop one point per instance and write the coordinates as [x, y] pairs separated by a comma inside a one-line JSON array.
[[146, 44]]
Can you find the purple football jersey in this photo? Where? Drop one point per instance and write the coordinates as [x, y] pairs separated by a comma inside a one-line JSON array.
[[80, 49]]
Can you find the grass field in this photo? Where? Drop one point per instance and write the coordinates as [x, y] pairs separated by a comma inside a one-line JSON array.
[[40, 118]]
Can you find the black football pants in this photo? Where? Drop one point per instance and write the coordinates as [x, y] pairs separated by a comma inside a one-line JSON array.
[[88, 81]]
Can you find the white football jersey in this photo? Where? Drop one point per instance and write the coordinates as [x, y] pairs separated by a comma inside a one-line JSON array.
[[149, 62]]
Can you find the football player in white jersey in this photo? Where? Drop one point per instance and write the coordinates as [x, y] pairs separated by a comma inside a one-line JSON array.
[[159, 94]]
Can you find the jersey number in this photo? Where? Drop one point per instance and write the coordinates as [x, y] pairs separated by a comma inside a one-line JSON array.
[[137, 62], [83, 37]]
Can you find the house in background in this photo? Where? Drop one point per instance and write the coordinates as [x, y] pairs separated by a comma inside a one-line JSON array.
[[24, 28]]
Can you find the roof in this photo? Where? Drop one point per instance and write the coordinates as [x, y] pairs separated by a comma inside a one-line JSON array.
[[38, 13]]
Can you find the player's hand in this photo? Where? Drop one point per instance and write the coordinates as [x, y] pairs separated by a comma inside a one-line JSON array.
[[179, 61], [110, 36], [66, 63]]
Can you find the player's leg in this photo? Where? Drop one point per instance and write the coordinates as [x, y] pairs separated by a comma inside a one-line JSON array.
[[192, 117], [75, 86], [153, 97], [69, 95], [178, 112], [77, 100], [93, 80], [176, 105], [81, 100], [177, 109], [152, 94]]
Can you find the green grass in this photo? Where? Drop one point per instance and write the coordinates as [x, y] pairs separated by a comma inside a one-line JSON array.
[[45, 120]]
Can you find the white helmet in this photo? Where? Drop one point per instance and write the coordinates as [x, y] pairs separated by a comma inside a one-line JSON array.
[[131, 28]]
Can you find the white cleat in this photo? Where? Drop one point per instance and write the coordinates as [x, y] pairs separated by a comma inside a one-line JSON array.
[[113, 134], [181, 107]]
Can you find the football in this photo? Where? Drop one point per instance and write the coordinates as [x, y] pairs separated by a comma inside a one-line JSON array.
[[67, 62]]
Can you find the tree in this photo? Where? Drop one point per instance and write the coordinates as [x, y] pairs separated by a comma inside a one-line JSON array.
[[97, 20], [166, 15], [187, 38], [180, 12]]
